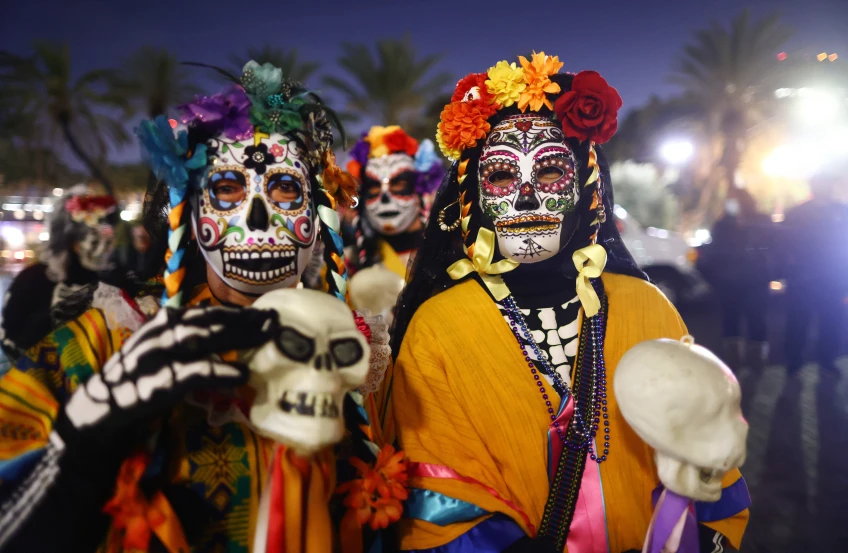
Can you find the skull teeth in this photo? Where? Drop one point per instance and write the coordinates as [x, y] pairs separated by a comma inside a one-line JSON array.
[[309, 404]]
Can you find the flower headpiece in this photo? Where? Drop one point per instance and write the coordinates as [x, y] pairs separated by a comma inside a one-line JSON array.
[[588, 111], [383, 141], [89, 209]]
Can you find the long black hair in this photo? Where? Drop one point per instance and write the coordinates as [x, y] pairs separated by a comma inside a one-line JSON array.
[[428, 270]]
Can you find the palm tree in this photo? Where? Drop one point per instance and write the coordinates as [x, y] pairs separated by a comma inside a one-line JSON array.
[[393, 87], [154, 80], [287, 60], [41, 89], [728, 73]]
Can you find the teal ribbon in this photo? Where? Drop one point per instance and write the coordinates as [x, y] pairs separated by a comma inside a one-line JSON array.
[[440, 509]]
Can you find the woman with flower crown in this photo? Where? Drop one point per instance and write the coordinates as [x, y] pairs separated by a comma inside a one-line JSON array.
[[142, 442], [521, 303], [396, 175]]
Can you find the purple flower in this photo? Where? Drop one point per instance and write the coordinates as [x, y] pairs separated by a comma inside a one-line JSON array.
[[227, 113], [430, 179], [360, 151]]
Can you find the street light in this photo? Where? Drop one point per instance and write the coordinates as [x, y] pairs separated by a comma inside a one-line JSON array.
[[818, 106], [677, 152]]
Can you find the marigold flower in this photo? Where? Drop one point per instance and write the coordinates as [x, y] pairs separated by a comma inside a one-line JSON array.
[[464, 123], [449, 153], [537, 74], [400, 142], [506, 83]]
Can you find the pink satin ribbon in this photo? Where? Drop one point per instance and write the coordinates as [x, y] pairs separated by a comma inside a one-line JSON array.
[[588, 532], [430, 470]]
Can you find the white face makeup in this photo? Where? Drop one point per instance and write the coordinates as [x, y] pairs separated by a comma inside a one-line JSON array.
[[528, 187], [254, 218], [95, 246], [391, 204]]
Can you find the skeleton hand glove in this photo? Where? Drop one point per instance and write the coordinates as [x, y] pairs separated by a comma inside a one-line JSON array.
[[172, 354], [169, 356]]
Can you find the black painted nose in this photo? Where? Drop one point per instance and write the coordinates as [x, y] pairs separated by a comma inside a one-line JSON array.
[[323, 362], [384, 199], [527, 199], [257, 218]]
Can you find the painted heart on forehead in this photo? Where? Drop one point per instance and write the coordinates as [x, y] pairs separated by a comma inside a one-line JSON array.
[[391, 204], [254, 216], [528, 187]]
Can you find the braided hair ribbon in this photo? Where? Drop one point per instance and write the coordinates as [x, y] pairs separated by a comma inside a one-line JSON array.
[[171, 161], [590, 262]]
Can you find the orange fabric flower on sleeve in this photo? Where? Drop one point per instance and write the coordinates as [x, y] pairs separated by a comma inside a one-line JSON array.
[[537, 74], [376, 497]]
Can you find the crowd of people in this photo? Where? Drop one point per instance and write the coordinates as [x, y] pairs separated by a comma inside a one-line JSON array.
[[749, 252], [232, 383]]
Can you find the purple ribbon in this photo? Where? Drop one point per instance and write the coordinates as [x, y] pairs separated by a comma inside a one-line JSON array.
[[670, 508]]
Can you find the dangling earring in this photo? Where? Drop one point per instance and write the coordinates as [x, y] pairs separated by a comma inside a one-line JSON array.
[[441, 218]]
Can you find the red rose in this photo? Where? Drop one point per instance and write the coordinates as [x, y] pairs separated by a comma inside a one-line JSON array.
[[590, 109], [467, 83], [399, 141]]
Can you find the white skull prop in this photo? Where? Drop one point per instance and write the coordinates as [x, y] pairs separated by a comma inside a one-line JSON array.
[[375, 290], [528, 187], [302, 375], [685, 403], [254, 216]]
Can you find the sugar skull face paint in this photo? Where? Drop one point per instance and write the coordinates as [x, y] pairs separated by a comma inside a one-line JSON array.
[[391, 204], [528, 187], [254, 217]]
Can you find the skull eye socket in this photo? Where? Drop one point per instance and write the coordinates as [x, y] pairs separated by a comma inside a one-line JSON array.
[[295, 345], [227, 189], [346, 352]]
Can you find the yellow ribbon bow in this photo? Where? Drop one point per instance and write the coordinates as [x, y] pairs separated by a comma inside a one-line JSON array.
[[481, 263], [590, 262]]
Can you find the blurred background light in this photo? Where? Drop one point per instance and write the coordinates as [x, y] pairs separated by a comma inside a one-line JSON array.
[[13, 236], [677, 152]]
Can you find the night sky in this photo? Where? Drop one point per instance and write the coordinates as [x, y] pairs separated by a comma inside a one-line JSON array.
[[631, 43]]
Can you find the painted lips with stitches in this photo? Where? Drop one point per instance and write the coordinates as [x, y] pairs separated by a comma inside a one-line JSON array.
[[528, 224], [266, 264]]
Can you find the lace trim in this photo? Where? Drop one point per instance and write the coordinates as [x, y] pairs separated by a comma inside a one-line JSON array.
[[119, 313], [381, 353]]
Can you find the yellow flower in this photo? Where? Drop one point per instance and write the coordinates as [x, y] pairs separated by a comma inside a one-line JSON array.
[[536, 75], [449, 153], [375, 138], [506, 83]]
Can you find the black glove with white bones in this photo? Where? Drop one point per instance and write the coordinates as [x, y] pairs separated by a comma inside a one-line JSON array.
[[173, 354]]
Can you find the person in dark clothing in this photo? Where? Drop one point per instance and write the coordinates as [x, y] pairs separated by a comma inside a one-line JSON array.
[[816, 263], [46, 294], [736, 264]]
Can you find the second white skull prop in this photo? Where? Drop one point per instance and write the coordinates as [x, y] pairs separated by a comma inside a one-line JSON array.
[[302, 375], [685, 403]]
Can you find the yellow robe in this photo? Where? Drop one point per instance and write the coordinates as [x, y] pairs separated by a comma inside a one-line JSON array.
[[461, 396]]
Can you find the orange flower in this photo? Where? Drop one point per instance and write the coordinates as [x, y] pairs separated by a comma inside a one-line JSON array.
[[537, 74], [376, 496], [354, 168], [128, 508], [464, 123]]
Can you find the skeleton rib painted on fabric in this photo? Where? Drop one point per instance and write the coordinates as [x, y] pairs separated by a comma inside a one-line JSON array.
[[528, 187], [254, 216], [391, 204]]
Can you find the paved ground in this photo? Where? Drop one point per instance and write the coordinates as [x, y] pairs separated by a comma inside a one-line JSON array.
[[797, 467]]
